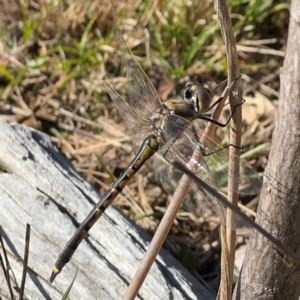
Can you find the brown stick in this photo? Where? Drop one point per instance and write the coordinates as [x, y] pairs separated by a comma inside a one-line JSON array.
[[25, 262], [6, 268], [228, 249]]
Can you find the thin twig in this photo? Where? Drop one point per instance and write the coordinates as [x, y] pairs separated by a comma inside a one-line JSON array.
[[261, 84], [25, 262], [158, 239], [6, 270], [261, 50]]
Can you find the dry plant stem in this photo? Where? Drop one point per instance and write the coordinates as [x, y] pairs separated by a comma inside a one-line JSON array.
[[235, 139], [6, 271], [158, 239], [25, 263]]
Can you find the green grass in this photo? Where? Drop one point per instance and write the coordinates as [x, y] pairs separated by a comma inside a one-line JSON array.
[[184, 40]]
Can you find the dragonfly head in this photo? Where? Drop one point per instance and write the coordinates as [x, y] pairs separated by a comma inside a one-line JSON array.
[[198, 96]]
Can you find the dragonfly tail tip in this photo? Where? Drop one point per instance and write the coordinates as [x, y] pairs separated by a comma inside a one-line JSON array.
[[55, 272]]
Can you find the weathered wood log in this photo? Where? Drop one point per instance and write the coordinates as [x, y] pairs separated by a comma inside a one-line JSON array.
[[40, 187]]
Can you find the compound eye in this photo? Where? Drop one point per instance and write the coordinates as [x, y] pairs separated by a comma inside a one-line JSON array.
[[197, 97], [190, 96], [204, 97], [188, 93]]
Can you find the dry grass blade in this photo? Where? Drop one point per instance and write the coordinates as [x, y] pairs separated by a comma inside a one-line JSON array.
[[260, 50], [6, 267], [25, 262]]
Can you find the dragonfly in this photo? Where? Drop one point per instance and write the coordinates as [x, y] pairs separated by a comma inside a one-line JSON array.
[[165, 130]]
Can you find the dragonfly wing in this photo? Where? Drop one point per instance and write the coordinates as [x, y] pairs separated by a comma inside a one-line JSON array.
[[181, 148], [137, 125], [217, 158], [141, 91], [197, 200], [211, 165]]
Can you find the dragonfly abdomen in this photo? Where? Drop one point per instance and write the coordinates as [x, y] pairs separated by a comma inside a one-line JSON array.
[[148, 148]]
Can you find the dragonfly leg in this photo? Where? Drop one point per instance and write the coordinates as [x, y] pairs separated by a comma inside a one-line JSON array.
[[220, 149], [224, 95], [202, 146], [226, 123]]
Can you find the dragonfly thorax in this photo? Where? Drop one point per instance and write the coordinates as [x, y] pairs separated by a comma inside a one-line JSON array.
[[169, 120], [158, 120]]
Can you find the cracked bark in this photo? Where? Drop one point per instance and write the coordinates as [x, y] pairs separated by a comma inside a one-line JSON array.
[[265, 274]]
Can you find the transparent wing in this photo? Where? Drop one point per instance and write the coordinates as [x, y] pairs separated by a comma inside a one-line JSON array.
[[181, 148], [217, 159], [211, 165], [141, 91], [197, 200], [138, 127]]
